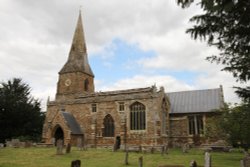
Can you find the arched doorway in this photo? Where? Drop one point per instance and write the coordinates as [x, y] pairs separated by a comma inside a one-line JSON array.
[[58, 134]]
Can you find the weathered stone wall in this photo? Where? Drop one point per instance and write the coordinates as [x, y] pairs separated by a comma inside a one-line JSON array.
[[71, 84], [178, 130], [91, 123]]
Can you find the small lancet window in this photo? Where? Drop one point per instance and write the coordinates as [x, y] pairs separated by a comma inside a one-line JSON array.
[[94, 107], [121, 106], [86, 85]]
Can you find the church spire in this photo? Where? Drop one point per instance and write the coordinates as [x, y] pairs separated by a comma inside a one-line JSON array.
[[78, 59]]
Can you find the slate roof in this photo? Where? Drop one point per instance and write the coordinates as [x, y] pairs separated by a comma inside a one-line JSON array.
[[71, 121], [196, 101]]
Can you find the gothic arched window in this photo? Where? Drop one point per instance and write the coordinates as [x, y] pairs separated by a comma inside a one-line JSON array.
[[137, 116], [109, 127]]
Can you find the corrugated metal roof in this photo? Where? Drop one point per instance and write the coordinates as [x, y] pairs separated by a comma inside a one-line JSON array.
[[196, 101], [71, 121]]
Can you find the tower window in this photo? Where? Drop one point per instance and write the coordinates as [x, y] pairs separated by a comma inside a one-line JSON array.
[[121, 106], [137, 116], [109, 127], [195, 124], [94, 109], [86, 85]]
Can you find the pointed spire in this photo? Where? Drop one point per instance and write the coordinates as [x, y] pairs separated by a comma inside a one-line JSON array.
[[78, 59]]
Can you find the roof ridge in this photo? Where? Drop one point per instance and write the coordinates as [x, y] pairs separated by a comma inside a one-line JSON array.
[[193, 90]]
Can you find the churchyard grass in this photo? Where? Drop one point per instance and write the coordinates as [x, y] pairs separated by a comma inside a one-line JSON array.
[[46, 157]]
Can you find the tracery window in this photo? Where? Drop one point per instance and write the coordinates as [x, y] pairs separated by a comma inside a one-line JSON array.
[[195, 123], [137, 116], [109, 127]]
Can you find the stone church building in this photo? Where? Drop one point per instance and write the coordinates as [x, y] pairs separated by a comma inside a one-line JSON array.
[[134, 117]]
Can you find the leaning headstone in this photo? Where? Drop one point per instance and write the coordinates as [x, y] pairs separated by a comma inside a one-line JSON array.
[[193, 163], [152, 150], [140, 161], [184, 148], [162, 150], [76, 163], [68, 148], [126, 158], [166, 149], [80, 143], [245, 162], [207, 160], [59, 147]]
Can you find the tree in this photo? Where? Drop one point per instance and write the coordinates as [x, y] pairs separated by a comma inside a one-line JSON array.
[[20, 113], [225, 24], [236, 125]]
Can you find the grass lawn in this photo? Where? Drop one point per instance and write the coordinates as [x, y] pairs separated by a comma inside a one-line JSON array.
[[46, 157]]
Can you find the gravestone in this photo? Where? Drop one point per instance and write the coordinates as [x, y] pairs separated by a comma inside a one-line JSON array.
[[171, 166], [185, 148], [68, 148], [140, 161], [15, 143], [79, 143], [207, 160], [245, 162], [126, 158], [53, 141], [193, 163], [28, 144], [152, 150], [162, 150], [59, 147], [76, 163], [166, 149]]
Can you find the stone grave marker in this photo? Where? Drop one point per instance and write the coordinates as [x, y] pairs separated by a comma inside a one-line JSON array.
[[126, 158], [59, 147], [68, 148], [76, 163], [245, 162], [207, 160], [184, 148], [193, 163], [15, 143], [166, 149], [171, 166], [140, 161]]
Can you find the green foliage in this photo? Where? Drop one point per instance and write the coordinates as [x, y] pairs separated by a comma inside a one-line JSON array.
[[236, 124], [20, 113], [225, 24], [213, 128]]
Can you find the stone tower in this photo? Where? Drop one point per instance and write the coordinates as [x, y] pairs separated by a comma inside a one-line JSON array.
[[76, 76]]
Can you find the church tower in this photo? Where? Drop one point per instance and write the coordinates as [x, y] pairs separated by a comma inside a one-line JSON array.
[[76, 76]]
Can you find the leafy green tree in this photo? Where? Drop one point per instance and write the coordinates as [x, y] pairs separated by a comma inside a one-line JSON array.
[[236, 124], [225, 24], [20, 113]]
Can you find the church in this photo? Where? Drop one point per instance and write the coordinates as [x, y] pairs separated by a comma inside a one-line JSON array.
[[146, 117]]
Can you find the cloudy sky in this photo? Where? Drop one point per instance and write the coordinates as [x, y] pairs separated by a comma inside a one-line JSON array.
[[131, 44]]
